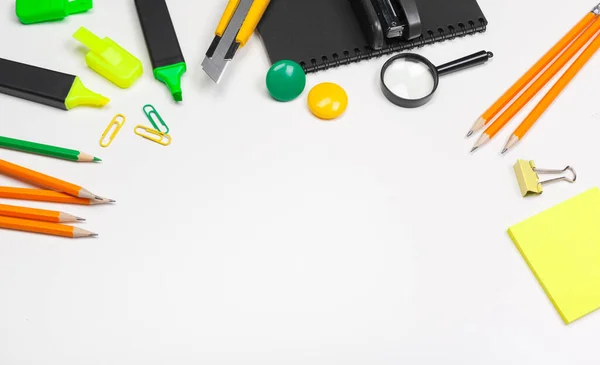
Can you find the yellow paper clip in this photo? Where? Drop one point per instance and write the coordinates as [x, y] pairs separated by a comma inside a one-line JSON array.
[[529, 180], [117, 122], [153, 135]]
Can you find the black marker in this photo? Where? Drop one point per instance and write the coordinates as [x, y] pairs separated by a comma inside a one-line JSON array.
[[45, 86], [163, 46]]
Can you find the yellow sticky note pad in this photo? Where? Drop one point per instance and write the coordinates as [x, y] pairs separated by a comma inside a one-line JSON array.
[[562, 248]]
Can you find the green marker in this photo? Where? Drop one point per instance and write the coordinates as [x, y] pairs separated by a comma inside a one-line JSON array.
[[46, 150], [37, 11], [161, 40], [45, 86]]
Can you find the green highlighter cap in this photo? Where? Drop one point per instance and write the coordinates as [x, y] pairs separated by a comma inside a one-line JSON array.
[[37, 11]]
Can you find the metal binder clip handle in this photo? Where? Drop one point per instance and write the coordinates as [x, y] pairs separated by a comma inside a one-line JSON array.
[[562, 178]]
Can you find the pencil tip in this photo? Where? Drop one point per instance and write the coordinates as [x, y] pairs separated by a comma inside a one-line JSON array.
[[474, 149], [80, 219], [504, 150], [112, 200], [98, 198], [93, 234], [96, 159], [470, 133]]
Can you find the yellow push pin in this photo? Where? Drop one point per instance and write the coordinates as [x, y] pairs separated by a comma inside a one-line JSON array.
[[529, 180], [327, 101], [109, 59]]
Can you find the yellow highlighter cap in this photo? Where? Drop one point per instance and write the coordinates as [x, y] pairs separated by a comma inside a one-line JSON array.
[[109, 59], [327, 100]]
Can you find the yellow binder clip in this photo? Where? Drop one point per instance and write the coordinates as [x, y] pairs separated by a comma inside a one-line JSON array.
[[152, 135], [117, 122], [529, 180]]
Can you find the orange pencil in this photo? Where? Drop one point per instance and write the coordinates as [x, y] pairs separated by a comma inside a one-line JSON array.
[[37, 214], [539, 84], [552, 94], [50, 196], [489, 114], [45, 181], [53, 229]]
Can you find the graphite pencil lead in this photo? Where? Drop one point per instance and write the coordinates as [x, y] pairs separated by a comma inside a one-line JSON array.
[[80, 219], [504, 151], [470, 133], [479, 123], [474, 149]]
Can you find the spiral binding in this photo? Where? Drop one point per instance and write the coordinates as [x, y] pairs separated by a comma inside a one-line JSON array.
[[428, 37]]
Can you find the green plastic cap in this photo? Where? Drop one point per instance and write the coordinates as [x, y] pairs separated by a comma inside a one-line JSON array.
[[37, 11]]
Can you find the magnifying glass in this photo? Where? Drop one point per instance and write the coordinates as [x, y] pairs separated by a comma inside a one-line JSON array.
[[409, 80]]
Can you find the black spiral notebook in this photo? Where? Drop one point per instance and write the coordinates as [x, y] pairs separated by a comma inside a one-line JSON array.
[[320, 34]]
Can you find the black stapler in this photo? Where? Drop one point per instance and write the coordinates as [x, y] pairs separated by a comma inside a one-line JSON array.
[[391, 19]]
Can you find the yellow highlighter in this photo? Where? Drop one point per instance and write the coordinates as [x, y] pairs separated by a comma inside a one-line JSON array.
[[109, 59], [237, 24], [44, 86]]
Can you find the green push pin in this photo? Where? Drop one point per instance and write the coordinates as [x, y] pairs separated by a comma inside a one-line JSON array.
[[286, 80]]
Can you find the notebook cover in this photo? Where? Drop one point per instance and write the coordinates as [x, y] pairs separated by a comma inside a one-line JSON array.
[[320, 34]]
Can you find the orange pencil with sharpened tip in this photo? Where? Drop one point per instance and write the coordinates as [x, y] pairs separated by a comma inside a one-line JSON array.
[[539, 84], [50, 196], [53, 229], [552, 94], [41, 215], [45, 181], [518, 86]]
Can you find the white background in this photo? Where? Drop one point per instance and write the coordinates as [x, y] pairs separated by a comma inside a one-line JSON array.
[[265, 236]]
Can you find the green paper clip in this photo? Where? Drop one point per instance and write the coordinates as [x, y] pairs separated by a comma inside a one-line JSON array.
[[152, 114]]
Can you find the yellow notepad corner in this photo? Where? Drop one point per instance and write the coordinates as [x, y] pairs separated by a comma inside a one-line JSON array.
[[562, 247]]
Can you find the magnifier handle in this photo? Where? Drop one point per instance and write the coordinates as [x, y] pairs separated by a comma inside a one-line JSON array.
[[465, 62]]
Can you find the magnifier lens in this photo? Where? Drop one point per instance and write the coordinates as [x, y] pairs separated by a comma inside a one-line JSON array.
[[409, 79]]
